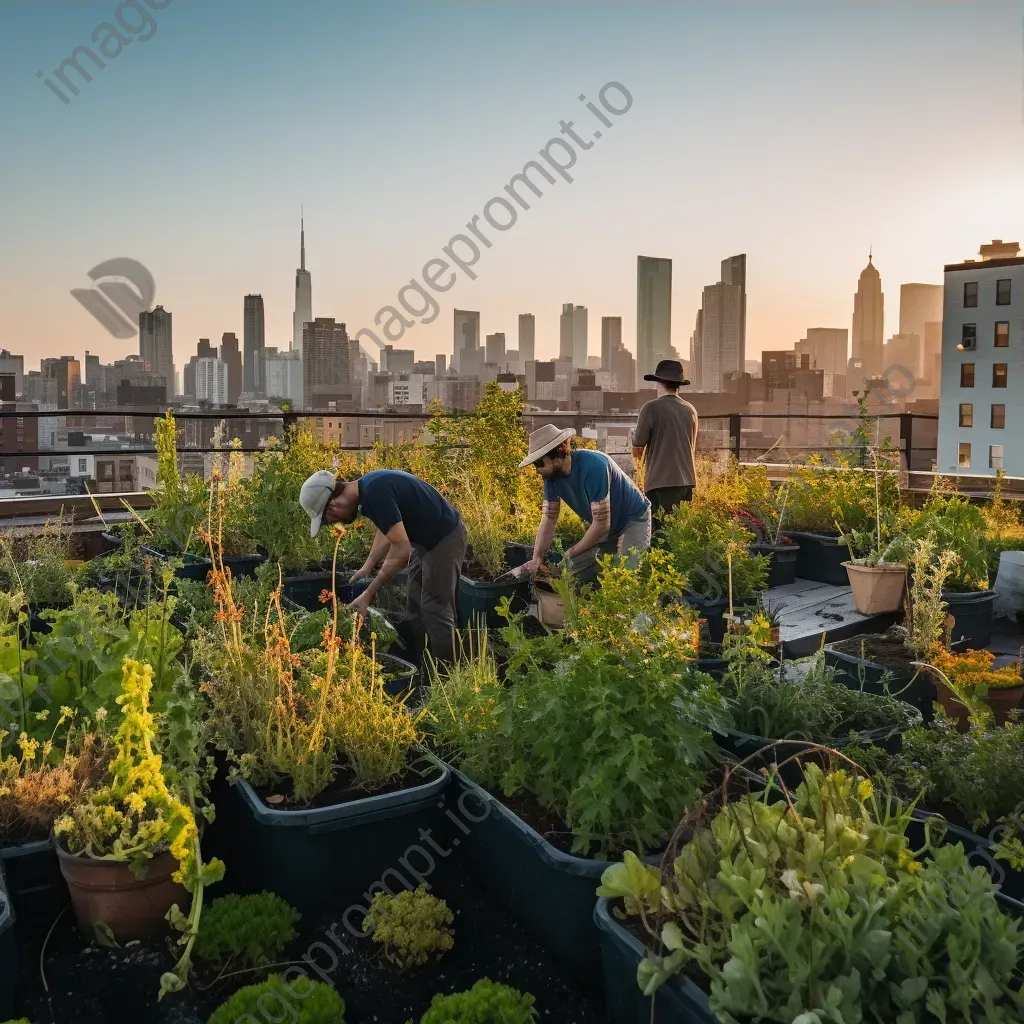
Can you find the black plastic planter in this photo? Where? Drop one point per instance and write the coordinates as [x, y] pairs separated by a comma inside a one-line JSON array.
[[972, 618], [820, 558], [8, 952], [195, 568], [478, 600], [400, 673], [678, 1001], [327, 858], [34, 880], [852, 672], [305, 588], [243, 565], [550, 893], [782, 564]]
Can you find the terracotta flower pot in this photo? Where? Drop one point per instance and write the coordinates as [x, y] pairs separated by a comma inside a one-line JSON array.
[[1002, 700], [877, 589], [107, 891]]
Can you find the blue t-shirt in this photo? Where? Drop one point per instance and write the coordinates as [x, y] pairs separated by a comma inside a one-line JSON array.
[[588, 481], [389, 496]]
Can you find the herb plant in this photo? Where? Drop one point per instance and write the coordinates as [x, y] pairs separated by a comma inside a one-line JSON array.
[[299, 1001], [38, 565], [245, 932], [487, 1002], [795, 916], [412, 927], [959, 527]]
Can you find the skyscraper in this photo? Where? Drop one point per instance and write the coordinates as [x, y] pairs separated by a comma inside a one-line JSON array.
[[495, 349], [67, 372], [611, 339], [328, 359], [204, 350], [527, 338], [920, 304], [653, 312], [721, 326], [868, 323], [253, 343], [211, 380], [156, 344], [734, 271], [829, 346], [466, 340], [572, 335], [303, 292], [233, 360]]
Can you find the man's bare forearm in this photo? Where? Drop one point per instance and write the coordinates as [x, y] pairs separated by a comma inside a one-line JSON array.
[[546, 530], [396, 560]]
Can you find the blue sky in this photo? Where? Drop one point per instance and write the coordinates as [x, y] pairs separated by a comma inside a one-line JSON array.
[[797, 133]]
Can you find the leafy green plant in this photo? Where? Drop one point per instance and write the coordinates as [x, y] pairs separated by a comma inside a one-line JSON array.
[[412, 927], [801, 700], [38, 565], [487, 1002], [925, 626], [301, 1001], [795, 916], [244, 932], [957, 526], [713, 552]]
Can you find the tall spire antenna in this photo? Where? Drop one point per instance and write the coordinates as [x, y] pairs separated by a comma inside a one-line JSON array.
[[871, 250], [302, 233]]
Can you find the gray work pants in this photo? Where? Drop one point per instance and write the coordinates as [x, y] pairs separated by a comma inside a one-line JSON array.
[[635, 537], [434, 589]]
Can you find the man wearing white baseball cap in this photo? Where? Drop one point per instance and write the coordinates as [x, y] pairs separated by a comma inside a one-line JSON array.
[[415, 526], [594, 487]]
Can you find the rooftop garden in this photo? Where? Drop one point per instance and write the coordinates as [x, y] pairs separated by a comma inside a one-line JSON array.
[[224, 797]]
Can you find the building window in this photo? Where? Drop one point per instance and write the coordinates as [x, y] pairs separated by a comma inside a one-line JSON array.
[[969, 337], [83, 465], [963, 455], [1003, 292], [966, 414], [995, 456], [998, 419], [970, 294], [967, 375], [999, 375], [1002, 334]]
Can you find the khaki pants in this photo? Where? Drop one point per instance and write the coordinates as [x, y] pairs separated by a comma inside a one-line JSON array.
[[434, 589], [636, 536]]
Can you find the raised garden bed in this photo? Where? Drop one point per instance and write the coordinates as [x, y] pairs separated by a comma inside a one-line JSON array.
[[820, 558], [782, 565], [480, 593]]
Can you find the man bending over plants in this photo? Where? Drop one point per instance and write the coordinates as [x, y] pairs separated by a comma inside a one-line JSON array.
[[415, 526], [594, 487]]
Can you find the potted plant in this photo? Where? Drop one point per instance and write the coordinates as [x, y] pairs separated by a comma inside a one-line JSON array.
[[713, 553], [129, 850], [972, 675], [323, 760], [541, 757], [782, 551], [775, 878]]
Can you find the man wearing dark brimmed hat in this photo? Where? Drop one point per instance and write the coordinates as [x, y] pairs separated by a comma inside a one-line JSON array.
[[593, 486], [665, 440]]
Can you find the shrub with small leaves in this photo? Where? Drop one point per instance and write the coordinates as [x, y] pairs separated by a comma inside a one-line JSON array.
[[413, 927], [486, 1002], [246, 931], [299, 1001]]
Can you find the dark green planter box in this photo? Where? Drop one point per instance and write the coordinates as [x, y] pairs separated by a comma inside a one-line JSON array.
[[8, 952], [920, 694], [34, 880], [478, 600], [551, 893], [243, 565], [305, 588], [195, 568], [678, 1001], [782, 563], [820, 558], [972, 618], [328, 858]]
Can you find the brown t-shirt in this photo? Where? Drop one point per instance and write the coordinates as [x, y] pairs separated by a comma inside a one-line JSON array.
[[667, 428]]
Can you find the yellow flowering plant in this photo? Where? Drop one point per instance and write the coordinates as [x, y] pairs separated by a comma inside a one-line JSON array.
[[135, 815]]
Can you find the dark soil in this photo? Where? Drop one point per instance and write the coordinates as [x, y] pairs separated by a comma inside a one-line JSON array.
[[545, 823], [474, 571], [885, 649], [90, 985], [344, 789]]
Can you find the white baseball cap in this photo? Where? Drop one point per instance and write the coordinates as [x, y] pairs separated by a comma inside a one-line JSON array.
[[315, 494]]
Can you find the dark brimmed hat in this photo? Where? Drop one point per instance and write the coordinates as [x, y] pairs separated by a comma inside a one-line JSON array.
[[669, 371]]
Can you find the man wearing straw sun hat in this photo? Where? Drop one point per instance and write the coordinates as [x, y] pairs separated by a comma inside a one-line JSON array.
[[593, 486]]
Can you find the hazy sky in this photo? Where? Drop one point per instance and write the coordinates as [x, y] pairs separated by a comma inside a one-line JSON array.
[[799, 134]]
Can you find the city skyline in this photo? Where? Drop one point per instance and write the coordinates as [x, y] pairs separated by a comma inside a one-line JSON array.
[[211, 229]]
